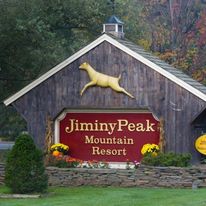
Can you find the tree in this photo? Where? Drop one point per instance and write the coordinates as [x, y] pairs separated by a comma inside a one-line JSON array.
[[24, 171], [178, 34], [34, 37]]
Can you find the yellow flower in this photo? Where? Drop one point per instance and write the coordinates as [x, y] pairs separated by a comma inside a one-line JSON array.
[[150, 148], [145, 148], [59, 147]]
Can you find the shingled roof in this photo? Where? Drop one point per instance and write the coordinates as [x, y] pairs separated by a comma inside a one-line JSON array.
[[167, 67], [133, 50]]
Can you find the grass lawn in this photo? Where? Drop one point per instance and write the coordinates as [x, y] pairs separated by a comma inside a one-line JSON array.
[[112, 196]]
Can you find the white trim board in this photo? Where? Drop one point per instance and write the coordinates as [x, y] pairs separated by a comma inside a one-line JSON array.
[[90, 46]]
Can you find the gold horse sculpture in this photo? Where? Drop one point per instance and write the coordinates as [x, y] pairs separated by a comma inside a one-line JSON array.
[[102, 80]]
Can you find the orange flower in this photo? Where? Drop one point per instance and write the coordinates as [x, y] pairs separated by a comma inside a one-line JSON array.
[[70, 159], [56, 153]]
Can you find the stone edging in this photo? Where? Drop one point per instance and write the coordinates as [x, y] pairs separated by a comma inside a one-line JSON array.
[[144, 176], [19, 196]]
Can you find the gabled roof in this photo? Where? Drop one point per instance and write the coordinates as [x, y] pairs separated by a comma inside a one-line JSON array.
[[114, 20], [133, 50]]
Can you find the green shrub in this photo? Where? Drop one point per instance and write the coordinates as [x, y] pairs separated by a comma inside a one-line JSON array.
[[3, 155], [167, 159], [25, 171], [57, 162]]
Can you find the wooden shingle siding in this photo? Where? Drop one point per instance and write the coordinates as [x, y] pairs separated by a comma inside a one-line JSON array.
[[153, 91]]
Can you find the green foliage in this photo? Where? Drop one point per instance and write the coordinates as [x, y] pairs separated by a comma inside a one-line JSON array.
[[167, 159], [3, 155], [11, 123], [24, 171], [34, 37]]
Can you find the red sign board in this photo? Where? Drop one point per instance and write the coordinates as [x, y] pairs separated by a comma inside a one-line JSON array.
[[107, 136]]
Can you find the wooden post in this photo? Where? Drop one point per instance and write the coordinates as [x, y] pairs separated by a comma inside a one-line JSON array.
[[48, 138], [162, 142]]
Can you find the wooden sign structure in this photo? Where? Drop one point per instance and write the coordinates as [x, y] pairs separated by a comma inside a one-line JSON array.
[[112, 136], [166, 91]]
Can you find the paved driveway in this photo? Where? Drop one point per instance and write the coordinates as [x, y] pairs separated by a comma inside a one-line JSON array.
[[6, 145]]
